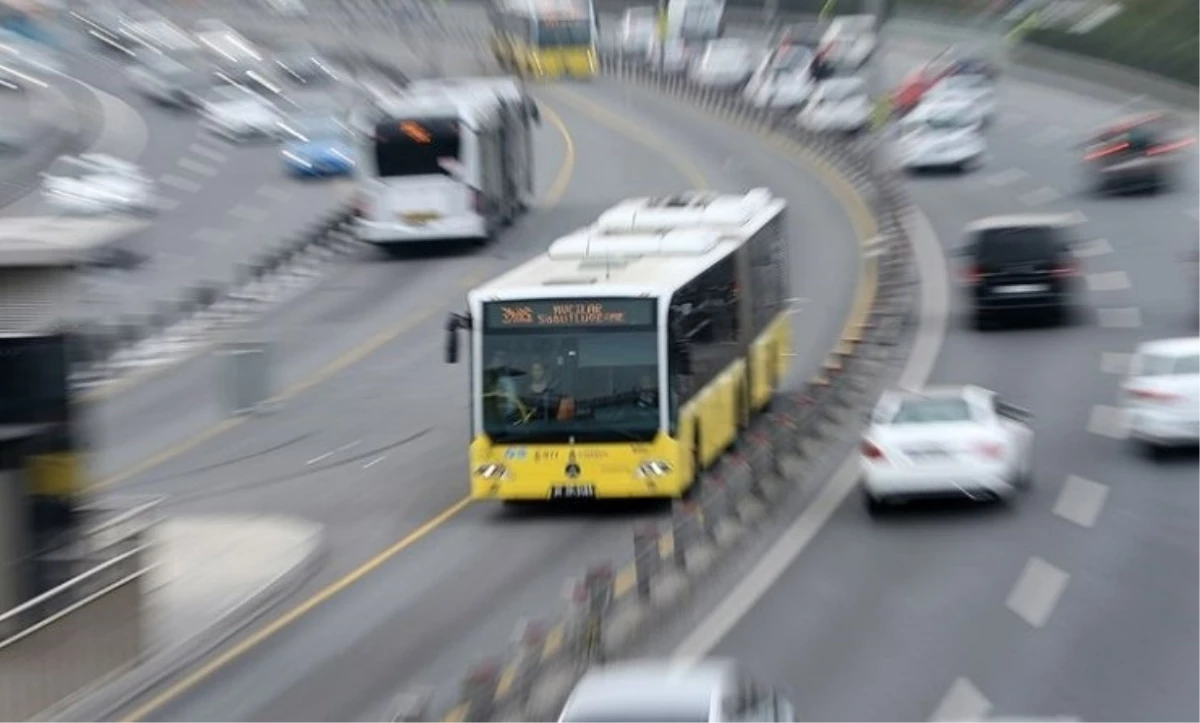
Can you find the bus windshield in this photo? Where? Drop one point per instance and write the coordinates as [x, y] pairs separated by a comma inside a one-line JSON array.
[[550, 374], [415, 147], [557, 33]]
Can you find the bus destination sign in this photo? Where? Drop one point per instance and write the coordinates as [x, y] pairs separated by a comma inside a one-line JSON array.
[[544, 313]]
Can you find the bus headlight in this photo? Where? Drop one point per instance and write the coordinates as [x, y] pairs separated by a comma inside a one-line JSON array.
[[653, 468], [492, 471]]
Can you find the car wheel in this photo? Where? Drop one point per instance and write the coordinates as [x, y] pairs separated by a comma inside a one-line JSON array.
[[875, 506], [1152, 451], [983, 321]]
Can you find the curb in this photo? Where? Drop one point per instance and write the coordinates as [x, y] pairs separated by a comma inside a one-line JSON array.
[[784, 453], [106, 699]]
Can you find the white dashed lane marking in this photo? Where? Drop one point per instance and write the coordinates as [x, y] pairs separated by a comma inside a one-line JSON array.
[[1127, 318], [1039, 196], [1095, 247], [1108, 281], [1115, 362], [212, 235], [1081, 501], [271, 193], [963, 702], [1037, 591], [196, 167], [180, 183], [248, 213], [1048, 135], [205, 152], [1006, 177], [1108, 422]]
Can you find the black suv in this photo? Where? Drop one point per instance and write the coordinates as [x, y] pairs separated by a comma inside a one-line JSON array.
[[1139, 154], [1020, 264]]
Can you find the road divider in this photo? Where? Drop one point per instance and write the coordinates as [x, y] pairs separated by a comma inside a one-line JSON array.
[[610, 607]]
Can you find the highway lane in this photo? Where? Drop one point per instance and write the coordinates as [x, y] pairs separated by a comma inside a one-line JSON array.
[[1082, 599], [475, 575]]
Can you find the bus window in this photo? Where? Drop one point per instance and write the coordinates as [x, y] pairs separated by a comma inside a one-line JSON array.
[[416, 147], [554, 33]]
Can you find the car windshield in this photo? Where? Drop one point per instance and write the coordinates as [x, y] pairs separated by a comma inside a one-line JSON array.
[[560, 370], [1017, 244], [556, 33], [932, 410], [1155, 365], [1136, 138], [947, 120]]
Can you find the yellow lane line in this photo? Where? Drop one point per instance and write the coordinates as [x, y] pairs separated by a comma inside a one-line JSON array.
[[199, 675]]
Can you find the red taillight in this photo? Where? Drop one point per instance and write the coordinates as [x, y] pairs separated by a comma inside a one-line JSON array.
[[1169, 147], [1107, 151], [1152, 395], [991, 450], [973, 274], [1065, 269], [871, 451]]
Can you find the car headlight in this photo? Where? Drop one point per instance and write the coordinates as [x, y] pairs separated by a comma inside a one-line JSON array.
[[492, 471], [653, 468]]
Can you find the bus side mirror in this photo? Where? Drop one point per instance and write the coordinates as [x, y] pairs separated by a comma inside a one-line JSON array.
[[453, 324], [682, 358]]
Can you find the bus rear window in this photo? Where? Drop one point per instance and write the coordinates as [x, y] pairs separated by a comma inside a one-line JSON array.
[[415, 147]]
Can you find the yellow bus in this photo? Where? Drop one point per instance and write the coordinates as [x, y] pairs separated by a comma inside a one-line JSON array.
[[545, 41], [628, 357]]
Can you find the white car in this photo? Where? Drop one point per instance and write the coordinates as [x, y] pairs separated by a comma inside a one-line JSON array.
[[98, 184], [239, 114], [945, 442], [974, 92], [1161, 395], [838, 105], [673, 56], [638, 29], [650, 691], [725, 63], [167, 81], [850, 40], [941, 135], [782, 80]]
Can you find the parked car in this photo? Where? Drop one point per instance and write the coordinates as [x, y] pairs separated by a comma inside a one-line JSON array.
[[1161, 394], [838, 105], [96, 183]]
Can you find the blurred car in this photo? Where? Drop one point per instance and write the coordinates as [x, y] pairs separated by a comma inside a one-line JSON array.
[[973, 59], [153, 32], [1161, 395], [651, 691], [725, 64], [1136, 154], [638, 30], [239, 114], [839, 105], [1020, 264], [169, 82], [945, 442], [231, 53], [103, 25], [304, 65], [911, 91], [99, 184], [941, 135], [317, 146], [849, 41], [783, 79], [673, 56], [287, 8], [973, 91]]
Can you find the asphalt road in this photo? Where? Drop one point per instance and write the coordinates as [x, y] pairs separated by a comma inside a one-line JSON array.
[[378, 449], [1082, 599]]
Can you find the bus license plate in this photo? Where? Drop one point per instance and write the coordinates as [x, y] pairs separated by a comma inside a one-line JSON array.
[[573, 492]]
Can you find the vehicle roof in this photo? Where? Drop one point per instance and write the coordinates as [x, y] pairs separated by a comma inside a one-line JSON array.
[[1022, 220], [653, 683], [939, 391], [1179, 346], [639, 247], [439, 99], [1124, 124], [60, 241]]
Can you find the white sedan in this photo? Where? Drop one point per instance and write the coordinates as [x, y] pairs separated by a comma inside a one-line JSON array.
[[98, 184], [783, 79], [239, 114], [838, 105], [725, 64], [973, 92], [1161, 395], [941, 135], [945, 442]]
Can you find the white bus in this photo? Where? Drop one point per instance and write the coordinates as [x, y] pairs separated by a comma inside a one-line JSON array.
[[448, 160]]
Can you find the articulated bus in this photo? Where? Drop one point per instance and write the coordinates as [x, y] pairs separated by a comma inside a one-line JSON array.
[[627, 358], [545, 39]]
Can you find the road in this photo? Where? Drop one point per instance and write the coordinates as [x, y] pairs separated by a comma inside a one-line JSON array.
[[374, 469], [1082, 600]]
